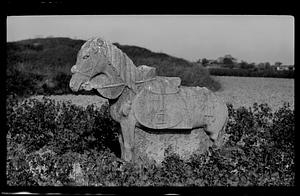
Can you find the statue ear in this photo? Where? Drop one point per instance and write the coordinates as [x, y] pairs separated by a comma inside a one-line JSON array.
[[108, 92]]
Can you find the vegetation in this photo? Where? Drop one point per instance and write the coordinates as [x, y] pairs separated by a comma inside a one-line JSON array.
[[251, 73], [190, 73], [228, 66], [52, 144], [42, 66]]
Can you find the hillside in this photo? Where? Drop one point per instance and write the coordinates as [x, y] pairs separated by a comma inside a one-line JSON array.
[[44, 64]]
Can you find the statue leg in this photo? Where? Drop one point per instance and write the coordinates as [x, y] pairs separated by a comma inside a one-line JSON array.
[[121, 145], [220, 139], [212, 128], [128, 128], [217, 122]]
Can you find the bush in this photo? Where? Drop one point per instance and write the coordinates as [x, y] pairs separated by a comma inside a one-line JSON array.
[[38, 123], [22, 84], [63, 144], [284, 122]]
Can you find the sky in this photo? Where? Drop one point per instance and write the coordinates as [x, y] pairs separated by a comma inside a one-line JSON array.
[[252, 38]]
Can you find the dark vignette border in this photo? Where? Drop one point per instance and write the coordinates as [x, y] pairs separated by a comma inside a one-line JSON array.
[[88, 7]]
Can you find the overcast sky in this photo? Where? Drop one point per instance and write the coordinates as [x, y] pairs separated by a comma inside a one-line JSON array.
[[250, 38]]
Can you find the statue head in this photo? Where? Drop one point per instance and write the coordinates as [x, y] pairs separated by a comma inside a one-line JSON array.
[[94, 69]]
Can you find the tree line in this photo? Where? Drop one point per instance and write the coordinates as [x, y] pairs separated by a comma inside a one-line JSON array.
[[229, 66]]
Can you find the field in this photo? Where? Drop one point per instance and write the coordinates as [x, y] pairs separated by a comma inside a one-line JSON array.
[[244, 91], [240, 91]]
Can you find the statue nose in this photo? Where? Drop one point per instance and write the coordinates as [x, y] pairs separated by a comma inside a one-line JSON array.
[[74, 69]]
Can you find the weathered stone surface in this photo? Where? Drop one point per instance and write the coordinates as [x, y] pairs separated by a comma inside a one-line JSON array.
[[154, 112], [158, 111], [144, 72], [151, 146]]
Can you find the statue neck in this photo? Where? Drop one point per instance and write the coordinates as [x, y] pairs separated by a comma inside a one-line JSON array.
[[128, 72], [125, 69]]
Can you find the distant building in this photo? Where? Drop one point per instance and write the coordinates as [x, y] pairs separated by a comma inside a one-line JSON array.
[[285, 67]]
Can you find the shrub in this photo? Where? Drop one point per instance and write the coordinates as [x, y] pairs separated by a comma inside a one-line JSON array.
[[284, 122], [58, 144], [22, 84], [38, 123]]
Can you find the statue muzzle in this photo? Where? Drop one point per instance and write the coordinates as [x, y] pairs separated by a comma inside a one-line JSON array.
[[74, 69], [76, 81]]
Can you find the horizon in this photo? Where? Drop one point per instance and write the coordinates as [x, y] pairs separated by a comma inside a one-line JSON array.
[[254, 39]]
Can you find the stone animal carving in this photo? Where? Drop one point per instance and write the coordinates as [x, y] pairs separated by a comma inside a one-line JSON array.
[[139, 98]]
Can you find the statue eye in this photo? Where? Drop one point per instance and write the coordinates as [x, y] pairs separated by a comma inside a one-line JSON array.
[[86, 56]]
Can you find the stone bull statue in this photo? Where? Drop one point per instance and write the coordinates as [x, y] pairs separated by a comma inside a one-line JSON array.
[[139, 99]]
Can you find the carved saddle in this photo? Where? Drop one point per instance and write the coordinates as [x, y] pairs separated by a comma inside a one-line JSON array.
[[161, 105]]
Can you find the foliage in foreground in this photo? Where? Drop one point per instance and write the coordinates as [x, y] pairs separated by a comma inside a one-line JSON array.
[[62, 144]]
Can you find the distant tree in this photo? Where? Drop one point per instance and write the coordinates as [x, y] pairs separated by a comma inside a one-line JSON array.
[[277, 64], [291, 68], [204, 62], [229, 61], [268, 66], [251, 66], [245, 65], [261, 66], [215, 62], [228, 56]]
